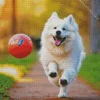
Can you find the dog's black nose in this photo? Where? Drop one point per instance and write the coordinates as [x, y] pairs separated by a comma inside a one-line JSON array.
[[58, 32]]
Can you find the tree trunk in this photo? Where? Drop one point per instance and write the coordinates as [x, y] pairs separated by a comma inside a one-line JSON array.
[[13, 17], [94, 29]]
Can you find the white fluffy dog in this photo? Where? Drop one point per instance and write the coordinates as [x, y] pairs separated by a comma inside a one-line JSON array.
[[62, 51]]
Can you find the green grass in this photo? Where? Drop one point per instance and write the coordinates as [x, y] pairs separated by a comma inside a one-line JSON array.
[[6, 81], [12, 60], [90, 70], [25, 62]]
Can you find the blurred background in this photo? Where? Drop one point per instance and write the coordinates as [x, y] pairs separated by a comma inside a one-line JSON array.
[[29, 17]]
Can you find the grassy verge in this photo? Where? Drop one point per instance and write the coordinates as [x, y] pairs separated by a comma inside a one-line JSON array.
[[5, 83], [26, 62], [7, 61], [90, 70]]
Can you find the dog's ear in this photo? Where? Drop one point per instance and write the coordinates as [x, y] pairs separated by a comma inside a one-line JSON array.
[[53, 16], [70, 19]]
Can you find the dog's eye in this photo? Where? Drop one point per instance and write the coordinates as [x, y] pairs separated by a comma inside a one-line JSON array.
[[55, 27], [63, 29]]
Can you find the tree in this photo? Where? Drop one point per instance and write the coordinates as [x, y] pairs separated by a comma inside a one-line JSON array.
[[94, 29], [13, 17]]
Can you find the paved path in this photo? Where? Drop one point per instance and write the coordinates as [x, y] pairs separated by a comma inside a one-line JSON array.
[[35, 86]]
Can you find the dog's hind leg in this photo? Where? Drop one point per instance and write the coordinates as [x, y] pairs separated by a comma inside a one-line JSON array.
[[52, 66]]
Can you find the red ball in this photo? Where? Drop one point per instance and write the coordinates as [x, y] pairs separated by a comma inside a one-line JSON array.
[[20, 45]]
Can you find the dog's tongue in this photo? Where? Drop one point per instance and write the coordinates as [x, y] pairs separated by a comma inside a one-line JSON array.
[[57, 42]]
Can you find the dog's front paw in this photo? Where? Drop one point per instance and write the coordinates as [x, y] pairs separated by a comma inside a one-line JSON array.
[[62, 95], [53, 74], [63, 82]]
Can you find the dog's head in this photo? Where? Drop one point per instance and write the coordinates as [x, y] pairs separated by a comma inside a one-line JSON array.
[[60, 31]]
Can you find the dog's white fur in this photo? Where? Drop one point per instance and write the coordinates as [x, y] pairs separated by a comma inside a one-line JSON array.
[[65, 59]]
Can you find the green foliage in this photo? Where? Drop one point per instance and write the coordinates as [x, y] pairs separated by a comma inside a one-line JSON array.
[[90, 70], [5, 83]]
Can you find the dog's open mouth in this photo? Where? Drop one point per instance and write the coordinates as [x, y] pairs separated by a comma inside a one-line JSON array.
[[58, 40]]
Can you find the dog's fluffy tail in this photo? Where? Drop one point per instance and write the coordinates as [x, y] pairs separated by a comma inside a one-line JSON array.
[[82, 57]]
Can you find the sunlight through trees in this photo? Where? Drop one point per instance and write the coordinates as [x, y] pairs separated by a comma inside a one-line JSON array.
[[29, 16]]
